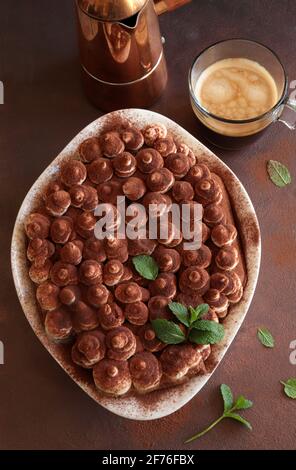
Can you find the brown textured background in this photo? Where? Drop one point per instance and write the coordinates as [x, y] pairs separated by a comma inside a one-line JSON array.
[[40, 407]]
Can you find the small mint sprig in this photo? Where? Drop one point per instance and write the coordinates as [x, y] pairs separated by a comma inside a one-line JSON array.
[[198, 331], [230, 406], [188, 316]]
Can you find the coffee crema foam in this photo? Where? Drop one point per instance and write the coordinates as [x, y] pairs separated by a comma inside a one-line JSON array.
[[236, 89]]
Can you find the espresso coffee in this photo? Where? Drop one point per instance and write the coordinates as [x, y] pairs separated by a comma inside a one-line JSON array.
[[236, 89]]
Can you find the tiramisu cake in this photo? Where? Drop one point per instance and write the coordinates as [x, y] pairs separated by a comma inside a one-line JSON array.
[[92, 295]]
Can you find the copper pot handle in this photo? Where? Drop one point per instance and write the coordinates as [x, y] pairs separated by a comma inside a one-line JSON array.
[[162, 6]]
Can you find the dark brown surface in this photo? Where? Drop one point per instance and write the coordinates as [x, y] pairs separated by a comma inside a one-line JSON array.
[[41, 408]]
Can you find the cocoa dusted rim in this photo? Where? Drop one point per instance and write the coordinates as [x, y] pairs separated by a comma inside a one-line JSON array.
[[89, 290]]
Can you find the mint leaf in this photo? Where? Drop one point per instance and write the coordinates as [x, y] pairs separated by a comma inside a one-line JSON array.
[[290, 387], [278, 173], [197, 312], [180, 311], [242, 403], [206, 332], [202, 309], [227, 397], [146, 266], [204, 337], [167, 331], [265, 337], [239, 418]]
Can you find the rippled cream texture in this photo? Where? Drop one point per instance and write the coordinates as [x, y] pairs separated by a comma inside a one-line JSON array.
[[236, 89]]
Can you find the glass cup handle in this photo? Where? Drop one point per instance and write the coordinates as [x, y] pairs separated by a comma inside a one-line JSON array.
[[288, 114]]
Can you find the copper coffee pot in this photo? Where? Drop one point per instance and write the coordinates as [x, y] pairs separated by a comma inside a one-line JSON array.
[[121, 50]]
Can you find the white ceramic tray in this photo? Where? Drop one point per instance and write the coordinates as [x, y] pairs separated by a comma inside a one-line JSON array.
[[162, 402]]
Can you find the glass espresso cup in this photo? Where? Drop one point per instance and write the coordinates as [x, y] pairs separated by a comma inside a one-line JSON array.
[[229, 133]]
